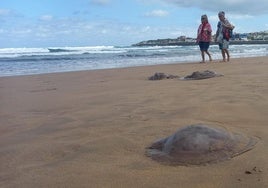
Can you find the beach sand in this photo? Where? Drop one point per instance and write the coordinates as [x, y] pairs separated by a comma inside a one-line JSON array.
[[91, 128]]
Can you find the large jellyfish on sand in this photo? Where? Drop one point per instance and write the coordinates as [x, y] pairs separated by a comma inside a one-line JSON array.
[[199, 145]]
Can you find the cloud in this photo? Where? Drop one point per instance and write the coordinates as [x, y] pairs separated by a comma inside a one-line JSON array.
[[157, 13], [100, 2], [8, 13], [46, 18], [5, 12], [249, 7]]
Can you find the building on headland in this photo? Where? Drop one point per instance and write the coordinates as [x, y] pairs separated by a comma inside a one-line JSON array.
[[237, 38]]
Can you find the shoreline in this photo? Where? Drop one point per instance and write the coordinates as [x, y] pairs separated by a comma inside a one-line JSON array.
[[138, 66], [41, 61], [91, 128]]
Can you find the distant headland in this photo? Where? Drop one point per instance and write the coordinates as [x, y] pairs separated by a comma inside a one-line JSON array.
[[237, 39]]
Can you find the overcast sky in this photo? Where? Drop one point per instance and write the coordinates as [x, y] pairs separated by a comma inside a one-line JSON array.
[[57, 23]]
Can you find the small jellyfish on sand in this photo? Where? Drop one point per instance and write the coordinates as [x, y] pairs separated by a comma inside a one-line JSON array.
[[162, 76], [199, 145]]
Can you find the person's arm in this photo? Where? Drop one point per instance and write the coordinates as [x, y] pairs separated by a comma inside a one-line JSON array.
[[227, 24], [198, 34], [217, 33], [209, 30]]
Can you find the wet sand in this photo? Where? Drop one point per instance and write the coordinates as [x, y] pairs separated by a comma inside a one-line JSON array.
[[91, 128]]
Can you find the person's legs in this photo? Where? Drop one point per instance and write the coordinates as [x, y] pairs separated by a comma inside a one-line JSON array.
[[222, 51], [227, 54], [225, 47], [223, 55], [203, 56], [201, 46], [204, 50], [209, 56]]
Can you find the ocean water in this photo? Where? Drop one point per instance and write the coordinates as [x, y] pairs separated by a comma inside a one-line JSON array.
[[29, 61]]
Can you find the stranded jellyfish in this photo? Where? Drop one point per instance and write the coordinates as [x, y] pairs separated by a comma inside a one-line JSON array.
[[199, 75], [198, 145]]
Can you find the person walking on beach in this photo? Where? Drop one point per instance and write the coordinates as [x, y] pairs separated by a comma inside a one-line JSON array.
[[204, 37], [223, 35]]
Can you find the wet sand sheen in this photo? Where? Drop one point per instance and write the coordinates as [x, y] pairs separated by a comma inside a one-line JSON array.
[[91, 128]]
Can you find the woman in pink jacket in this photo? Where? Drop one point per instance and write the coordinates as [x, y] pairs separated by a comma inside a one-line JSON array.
[[204, 37]]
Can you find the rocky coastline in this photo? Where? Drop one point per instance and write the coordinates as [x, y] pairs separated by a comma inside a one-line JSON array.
[[176, 42]]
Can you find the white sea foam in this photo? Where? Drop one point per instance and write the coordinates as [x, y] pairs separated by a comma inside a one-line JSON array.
[[23, 61]]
